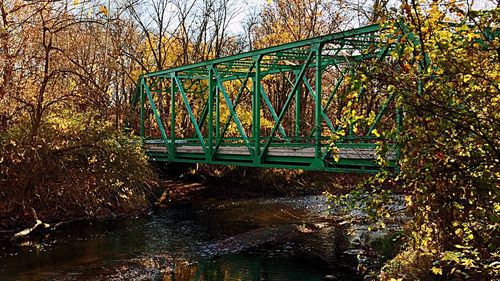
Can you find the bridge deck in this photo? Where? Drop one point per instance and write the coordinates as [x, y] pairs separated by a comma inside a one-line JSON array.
[[290, 156], [344, 153]]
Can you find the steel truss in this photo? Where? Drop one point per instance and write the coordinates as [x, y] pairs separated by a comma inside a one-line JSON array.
[[214, 111]]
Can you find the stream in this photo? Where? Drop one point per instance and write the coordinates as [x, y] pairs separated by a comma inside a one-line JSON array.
[[252, 239]]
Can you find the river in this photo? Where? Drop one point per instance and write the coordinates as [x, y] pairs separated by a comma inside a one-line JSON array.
[[252, 239]]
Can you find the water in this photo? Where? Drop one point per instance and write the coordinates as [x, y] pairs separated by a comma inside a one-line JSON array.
[[257, 239]]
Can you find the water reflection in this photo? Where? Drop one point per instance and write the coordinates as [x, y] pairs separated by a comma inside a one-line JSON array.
[[178, 244]]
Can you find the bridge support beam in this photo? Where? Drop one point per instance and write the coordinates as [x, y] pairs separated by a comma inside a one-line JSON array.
[[256, 111], [210, 114], [171, 147], [142, 109], [297, 111], [317, 105]]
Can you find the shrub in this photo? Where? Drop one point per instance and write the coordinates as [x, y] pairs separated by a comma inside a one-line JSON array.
[[75, 166]]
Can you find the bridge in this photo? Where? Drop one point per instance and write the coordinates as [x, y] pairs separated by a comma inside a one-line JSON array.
[[277, 107]]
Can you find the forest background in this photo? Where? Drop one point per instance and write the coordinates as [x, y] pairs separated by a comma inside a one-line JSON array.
[[68, 70]]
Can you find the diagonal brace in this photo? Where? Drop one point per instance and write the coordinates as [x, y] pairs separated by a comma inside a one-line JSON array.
[[327, 119], [236, 103], [288, 101], [231, 109], [271, 109], [155, 112], [190, 113]]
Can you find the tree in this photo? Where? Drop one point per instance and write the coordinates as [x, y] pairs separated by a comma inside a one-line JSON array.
[[62, 80], [444, 71], [286, 21]]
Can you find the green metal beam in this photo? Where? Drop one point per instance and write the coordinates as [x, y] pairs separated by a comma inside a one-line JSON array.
[[256, 110], [190, 113], [171, 148], [322, 111], [317, 102], [156, 114], [210, 114], [236, 103], [288, 101], [272, 111], [231, 109]]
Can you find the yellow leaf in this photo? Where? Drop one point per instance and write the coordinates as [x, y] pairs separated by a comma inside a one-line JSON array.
[[408, 200], [336, 158], [375, 133], [437, 270], [468, 263], [467, 77], [450, 256], [390, 88], [103, 10]]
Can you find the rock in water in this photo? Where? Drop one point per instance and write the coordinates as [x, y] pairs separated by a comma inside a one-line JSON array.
[[251, 240]]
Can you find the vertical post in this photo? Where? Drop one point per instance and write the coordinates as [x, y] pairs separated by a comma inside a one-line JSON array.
[[141, 89], [210, 114], [171, 154], [217, 114], [317, 103], [350, 131], [297, 110], [256, 109]]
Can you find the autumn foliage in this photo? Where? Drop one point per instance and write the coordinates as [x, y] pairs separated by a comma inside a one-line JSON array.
[[68, 71], [445, 71], [63, 99]]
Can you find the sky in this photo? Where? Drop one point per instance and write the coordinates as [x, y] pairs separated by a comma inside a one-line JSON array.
[[244, 7]]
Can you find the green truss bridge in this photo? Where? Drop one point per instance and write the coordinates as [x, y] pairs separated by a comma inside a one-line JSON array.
[[278, 107]]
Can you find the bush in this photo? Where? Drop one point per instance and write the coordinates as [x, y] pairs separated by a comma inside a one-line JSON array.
[[75, 166]]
